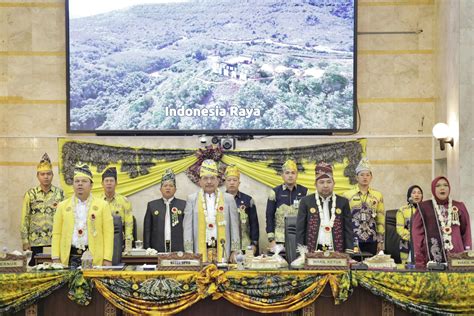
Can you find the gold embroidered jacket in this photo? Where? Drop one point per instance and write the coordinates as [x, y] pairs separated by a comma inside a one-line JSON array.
[[37, 215]]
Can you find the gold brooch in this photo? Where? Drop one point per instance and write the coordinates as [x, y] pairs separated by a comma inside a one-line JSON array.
[[312, 210], [338, 211], [156, 212]]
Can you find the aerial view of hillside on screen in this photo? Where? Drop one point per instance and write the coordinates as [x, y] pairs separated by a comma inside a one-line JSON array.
[[255, 65]]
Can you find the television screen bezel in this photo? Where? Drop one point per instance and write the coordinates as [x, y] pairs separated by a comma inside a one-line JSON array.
[[236, 132]]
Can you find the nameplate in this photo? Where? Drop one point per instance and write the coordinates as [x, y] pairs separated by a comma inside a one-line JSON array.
[[461, 261], [180, 263], [327, 262], [11, 263]]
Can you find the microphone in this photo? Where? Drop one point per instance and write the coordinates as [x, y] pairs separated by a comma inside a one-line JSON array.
[[410, 200]]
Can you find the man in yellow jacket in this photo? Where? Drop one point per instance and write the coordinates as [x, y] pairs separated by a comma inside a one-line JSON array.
[[82, 222]]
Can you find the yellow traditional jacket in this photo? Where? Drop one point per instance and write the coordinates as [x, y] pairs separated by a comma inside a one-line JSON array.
[[100, 230], [404, 214], [121, 206], [368, 214], [37, 215]]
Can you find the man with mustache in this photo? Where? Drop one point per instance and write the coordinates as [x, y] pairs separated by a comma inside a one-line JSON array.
[[82, 222], [211, 222]]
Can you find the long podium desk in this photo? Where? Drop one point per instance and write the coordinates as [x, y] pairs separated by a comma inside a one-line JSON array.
[[366, 293]]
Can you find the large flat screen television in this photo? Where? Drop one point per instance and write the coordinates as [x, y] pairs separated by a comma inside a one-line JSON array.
[[255, 67]]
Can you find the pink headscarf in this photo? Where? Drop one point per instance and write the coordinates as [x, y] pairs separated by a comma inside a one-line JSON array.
[[433, 190]]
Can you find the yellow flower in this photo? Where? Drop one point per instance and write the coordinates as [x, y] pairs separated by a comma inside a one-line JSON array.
[[269, 282], [244, 282], [294, 283], [135, 286], [266, 294], [135, 294], [185, 287]]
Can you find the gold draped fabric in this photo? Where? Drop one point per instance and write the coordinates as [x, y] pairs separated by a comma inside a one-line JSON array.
[[169, 292], [140, 168], [19, 290], [428, 293], [277, 292], [151, 293], [164, 293]]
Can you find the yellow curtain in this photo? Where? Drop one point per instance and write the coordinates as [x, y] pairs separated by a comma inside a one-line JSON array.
[[255, 164], [127, 185], [260, 172]]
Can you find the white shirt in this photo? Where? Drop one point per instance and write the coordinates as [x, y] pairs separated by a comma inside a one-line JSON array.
[[211, 216], [325, 238], [80, 223], [168, 219]]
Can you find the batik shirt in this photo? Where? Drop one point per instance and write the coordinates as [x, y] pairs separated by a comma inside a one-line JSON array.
[[37, 215], [121, 206], [281, 203], [368, 214], [248, 220]]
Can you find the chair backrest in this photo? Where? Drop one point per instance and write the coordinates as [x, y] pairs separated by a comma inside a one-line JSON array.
[[118, 240], [134, 231], [290, 238], [392, 239]]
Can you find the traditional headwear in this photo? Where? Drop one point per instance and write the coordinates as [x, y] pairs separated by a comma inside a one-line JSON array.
[[208, 168], [82, 170], [232, 171], [168, 176], [410, 190], [433, 189], [323, 171], [44, 164], [363, 165], [290, 164], [110, 173]]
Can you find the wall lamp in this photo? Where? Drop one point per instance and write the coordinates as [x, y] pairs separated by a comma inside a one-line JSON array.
[[442, 133]]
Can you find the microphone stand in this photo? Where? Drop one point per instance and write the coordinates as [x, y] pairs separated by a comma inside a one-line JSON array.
[[410, 243]]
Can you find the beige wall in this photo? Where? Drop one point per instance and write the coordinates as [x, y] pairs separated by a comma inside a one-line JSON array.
[[455, 68], [396, 90]]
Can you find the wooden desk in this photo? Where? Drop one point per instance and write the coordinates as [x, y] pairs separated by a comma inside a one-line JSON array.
[[139, 260], [42, 259], [132, 260]]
